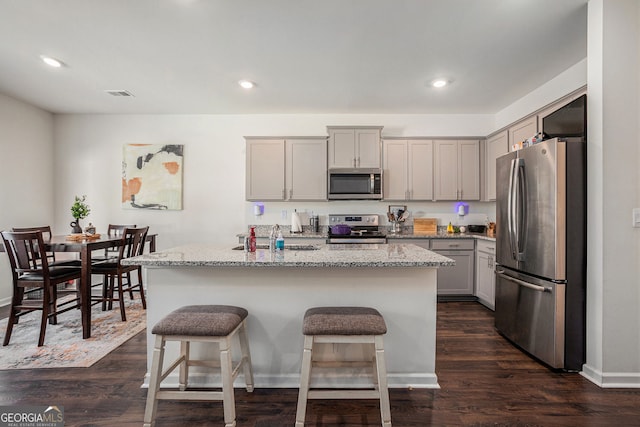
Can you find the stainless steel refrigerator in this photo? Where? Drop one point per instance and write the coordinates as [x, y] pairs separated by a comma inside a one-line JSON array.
[[541, 251]]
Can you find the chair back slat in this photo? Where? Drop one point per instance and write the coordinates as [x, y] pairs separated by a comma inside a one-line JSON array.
[[46, 235], [24, 249], [133, 242]]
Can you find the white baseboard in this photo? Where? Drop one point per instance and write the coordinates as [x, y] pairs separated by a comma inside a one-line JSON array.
[[611, 379]]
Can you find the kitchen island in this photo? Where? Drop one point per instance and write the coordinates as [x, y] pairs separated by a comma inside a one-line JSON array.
[[277, 288]]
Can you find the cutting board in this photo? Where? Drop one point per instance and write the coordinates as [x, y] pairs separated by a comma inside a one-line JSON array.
[[425, 226]]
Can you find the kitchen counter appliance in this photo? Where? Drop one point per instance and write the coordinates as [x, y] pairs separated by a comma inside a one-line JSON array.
[[357, 229], [541, 251], [354, 184]]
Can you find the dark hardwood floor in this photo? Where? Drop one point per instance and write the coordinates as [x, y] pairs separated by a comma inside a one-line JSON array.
[[484, 381]]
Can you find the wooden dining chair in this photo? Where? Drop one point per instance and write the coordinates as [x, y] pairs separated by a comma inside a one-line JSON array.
[[35, 282], [133, 240], [113, 230], [51, 255], [110, 254]]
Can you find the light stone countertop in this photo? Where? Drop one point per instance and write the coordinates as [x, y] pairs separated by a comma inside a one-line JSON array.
[[337, 255]]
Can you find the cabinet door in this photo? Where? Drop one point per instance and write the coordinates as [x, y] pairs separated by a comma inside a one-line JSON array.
[[306, 169], [469, 170], [497, 145], [523, 130], [446, 170], [367, 148], [458, 279], [395, 170], [265, 169], [420, 169], [342, 148], [485, 279]]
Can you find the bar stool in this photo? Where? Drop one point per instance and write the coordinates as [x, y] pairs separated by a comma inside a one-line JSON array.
[[200, 323], [351, 325]]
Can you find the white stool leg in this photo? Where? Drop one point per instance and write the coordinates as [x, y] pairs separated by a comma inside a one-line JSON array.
[[184, 365], [305, 378], [381, 373], [154, 382], [226, 368], [246, 357]]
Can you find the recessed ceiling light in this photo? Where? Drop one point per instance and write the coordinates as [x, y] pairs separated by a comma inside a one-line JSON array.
[[439, 83], [246, 84], [52, 62]]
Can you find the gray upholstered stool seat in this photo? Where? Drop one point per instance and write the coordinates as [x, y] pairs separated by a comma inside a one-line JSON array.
[[344, 325], [201, 320], [202, 323], [343, 321]]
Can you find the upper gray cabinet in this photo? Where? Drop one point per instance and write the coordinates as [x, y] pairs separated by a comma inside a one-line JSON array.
[[354, 147], [408, 169], [286, 169], [456, 169], [523, 130], [497, 145]]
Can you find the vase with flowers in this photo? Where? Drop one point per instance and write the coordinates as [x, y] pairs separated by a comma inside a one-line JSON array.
[[79, 210]]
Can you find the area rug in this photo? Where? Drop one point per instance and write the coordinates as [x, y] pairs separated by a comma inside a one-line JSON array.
[[63, 345]]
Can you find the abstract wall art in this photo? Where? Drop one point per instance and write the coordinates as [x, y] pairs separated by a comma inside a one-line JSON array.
[[152, 176]]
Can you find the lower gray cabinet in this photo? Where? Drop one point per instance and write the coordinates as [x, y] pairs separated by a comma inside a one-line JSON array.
[[485, 277], [459, 279]]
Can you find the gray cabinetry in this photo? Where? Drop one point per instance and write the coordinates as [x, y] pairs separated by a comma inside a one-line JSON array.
[[286, 168], [354, 147], [485, 278], [459, 279]]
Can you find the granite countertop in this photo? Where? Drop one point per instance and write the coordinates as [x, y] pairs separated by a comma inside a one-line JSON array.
[[340, 255]]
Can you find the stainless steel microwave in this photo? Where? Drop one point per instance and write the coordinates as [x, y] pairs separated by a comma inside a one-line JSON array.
[[355, 184]]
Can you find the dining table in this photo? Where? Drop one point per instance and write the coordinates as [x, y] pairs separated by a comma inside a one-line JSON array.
[[84, 247]]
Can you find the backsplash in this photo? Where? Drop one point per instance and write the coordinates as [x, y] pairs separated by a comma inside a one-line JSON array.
[[280, 212]]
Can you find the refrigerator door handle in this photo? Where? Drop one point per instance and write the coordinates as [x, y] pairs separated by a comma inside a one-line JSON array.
[[520, 208], [511, 214], [523, 283]]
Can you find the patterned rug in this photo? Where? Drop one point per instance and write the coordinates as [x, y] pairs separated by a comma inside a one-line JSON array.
[[63, 344]]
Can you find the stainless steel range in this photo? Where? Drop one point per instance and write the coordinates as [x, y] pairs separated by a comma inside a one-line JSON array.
[[362, 229]]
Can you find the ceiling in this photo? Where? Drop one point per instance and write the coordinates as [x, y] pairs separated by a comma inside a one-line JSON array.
[[305, 56]]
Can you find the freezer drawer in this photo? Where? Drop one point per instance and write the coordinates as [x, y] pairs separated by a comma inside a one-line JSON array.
[[531, 313]]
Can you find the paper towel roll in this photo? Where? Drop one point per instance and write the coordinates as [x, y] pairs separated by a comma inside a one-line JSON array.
[[296, 225]]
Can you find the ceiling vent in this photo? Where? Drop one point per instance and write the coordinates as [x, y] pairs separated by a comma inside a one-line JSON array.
[[119, 92]]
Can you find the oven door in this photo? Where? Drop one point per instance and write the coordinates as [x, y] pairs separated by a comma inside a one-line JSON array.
[[354, 184]]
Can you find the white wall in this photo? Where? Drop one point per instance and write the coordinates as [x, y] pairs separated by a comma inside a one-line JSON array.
[[613, 285], [26, 189], [214, 167]]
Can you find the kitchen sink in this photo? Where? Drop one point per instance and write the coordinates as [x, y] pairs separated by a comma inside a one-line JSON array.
[[287, 247]]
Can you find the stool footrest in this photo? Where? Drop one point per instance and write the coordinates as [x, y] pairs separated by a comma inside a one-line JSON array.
[[189, 395], [343, 363], [344, 394]]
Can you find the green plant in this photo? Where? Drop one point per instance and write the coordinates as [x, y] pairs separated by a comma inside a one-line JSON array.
[[80, 209]]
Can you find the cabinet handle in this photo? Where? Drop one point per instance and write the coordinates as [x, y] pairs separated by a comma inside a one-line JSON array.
[[354, 163], [453, 245], [291, 193]]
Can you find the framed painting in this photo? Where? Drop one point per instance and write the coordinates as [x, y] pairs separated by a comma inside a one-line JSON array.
[[152, 176]]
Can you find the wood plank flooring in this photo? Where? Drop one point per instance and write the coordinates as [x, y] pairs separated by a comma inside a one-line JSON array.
[[484, 381]]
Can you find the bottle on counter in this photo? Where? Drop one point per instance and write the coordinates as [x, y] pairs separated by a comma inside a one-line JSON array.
[[252, 240], [273, 236], [449, 228], [280, 241]]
